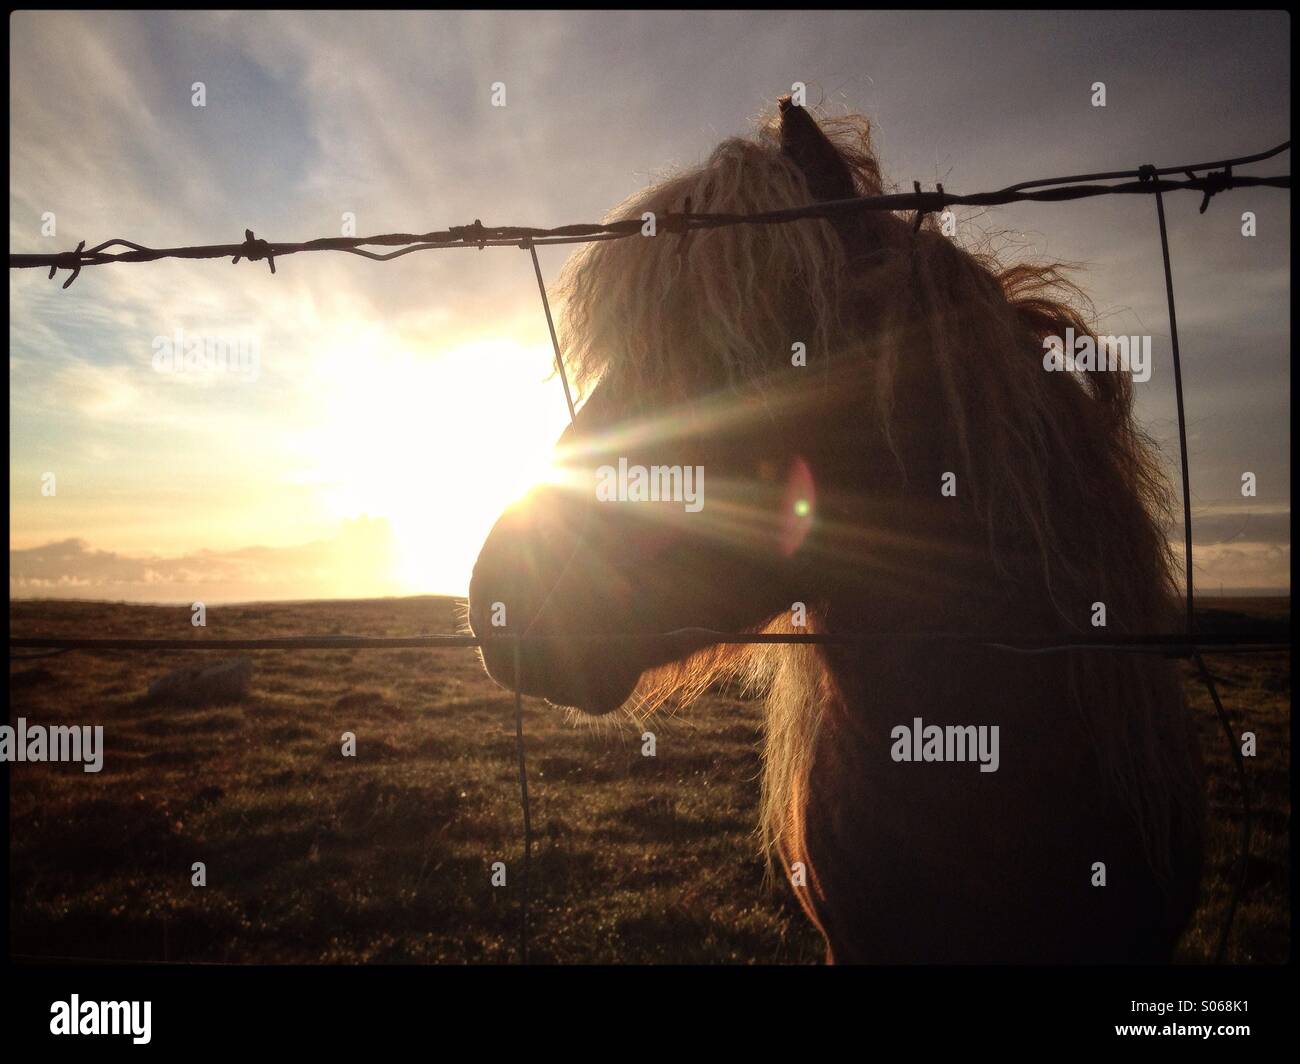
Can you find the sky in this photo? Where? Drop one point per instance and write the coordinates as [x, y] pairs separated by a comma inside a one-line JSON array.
[[382, 415]]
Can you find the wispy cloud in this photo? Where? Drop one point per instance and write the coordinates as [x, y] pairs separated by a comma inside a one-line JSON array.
[[387, 115]]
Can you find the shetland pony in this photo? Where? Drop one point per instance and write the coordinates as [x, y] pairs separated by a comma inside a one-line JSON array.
[[885, 453]]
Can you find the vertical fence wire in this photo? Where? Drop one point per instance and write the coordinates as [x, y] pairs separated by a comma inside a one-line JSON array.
[[523, 798], [555, 343], [1182, 419], [1243, 785], [1238, 888], [519, 704]]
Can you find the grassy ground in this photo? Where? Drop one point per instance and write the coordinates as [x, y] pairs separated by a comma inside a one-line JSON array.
[[385, 857]]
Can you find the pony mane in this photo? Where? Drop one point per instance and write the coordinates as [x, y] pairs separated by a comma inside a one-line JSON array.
[[1054, 472], [640, 310]]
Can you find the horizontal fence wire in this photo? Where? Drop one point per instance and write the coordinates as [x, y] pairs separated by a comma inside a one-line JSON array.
[[1147, 180], [1171, 645]]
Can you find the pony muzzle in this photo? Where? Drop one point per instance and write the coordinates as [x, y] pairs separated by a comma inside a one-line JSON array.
[[574, 672]]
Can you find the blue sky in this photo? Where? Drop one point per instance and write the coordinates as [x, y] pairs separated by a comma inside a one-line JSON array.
[[355, 462]]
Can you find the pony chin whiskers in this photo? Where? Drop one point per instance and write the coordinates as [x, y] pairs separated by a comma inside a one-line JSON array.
[[796, 689], [677, 684]]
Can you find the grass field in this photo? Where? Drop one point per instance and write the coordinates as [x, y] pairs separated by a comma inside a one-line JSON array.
[[386, 857]]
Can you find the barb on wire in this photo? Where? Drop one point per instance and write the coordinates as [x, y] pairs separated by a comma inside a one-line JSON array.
[[921, 213], [1216, 182], [254, 250], [1142, 181], [70, 260]]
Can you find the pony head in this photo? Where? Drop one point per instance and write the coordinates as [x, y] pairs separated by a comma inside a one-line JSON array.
[[771, 412], [692, 351]]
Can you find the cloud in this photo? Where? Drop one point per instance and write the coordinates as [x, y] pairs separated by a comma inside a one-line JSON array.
[[1242, 566], [1241, 525], [355, 563]]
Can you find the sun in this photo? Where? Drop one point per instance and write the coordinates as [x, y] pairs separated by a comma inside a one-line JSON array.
[[438, 443]]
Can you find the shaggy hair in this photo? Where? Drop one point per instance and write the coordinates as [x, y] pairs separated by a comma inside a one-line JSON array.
[[1052, 465]]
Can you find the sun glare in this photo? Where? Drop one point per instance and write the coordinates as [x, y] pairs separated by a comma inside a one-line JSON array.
[[436, 443]]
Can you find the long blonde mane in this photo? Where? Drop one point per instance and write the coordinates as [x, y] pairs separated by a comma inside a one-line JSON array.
[[1057, 473]]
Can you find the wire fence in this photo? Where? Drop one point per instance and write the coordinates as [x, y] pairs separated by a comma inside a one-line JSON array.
[[1143, 180], [1174, 646]]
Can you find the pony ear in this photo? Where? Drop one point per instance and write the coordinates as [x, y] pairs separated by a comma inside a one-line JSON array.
[[825, 170]]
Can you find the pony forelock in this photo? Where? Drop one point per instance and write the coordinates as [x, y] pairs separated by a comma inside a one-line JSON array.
[[656, 313]]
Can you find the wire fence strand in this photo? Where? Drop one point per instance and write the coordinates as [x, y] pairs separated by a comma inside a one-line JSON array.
[[1169, 645], [1142, 181]]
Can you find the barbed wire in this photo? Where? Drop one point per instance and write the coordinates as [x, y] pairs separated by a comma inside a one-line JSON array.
[[1145, 180]]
